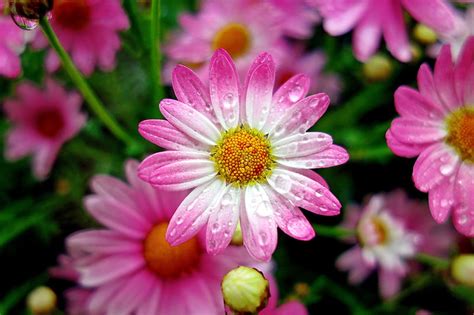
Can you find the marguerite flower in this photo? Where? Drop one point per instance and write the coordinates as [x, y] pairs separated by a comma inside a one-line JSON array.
[[391, 230], [12, 43], [43, 120], [246, 152], [372, 19], [88, 30], [437, 125], [129, 268]]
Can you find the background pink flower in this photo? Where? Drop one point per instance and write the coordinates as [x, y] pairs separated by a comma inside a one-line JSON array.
[[88, 30], [297, 20], [43, 119], [372, 19], [437, 125], [11, 44]]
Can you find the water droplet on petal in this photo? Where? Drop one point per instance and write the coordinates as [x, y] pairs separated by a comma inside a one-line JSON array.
[[296, 226], [295, 93], [282, 184], [263, 239], [264, 210]]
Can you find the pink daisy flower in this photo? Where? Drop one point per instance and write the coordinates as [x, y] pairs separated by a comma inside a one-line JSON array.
[[11, 45], [297, 19], [372, 19], [437, 125], [391, 230], [43, 120], [130, 267], [88, 30], [242, 27], [246, 152]]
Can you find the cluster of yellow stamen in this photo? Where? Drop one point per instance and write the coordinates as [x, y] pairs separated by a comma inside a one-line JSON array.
[[234, 38], [243, 156], [460, 126]]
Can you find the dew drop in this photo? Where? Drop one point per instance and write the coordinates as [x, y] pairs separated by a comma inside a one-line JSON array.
[[296, 226], [446, 169], [226, 199], [263, 210], [318, 193], [179, 220], [282, 184], [295, 93], [228, 101], [173, 232], [263, 239], [24, 23], [215, 228]]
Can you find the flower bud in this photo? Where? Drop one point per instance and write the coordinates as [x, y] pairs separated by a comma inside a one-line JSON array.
[[237, 239], [377, 68], [462, 269], [41, 301], [245, 290], [30, 9], [424, 35]]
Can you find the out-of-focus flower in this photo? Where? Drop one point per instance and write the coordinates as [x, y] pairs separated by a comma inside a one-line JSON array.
[[390, 229], [437, 125], [41, 301], [462, 269], [244, 28], [11, 45], [88, 30], [372, 19], [246, 152], [296, 18], [295, 61], [377, 68], [130, 267], [43, 120]]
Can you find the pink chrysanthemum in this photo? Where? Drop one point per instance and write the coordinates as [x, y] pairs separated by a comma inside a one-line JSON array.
[[43, 120], [372, 19], [247, 153], [11, 44], [437, 125], [391, 230], [130, 267], [88, 30], [242, 27], [297, 19]]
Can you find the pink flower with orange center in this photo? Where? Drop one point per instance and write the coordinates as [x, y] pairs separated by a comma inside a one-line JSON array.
[[436, 124], [89, 31], [247, 153], [43, 120]]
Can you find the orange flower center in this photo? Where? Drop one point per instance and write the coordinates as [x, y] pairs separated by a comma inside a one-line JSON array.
[[49, 123], [243, 155], [372, 232], [461, 132], [168, 261], [72, 14], [234, 38]]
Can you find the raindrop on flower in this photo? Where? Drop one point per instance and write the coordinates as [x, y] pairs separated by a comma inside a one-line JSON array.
[[282, 184], [295, 93]]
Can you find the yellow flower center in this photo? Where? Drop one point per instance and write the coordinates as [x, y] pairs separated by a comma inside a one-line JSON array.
[[242, 156], [234, 38], [372, 232], [461, 132], [168, 261]]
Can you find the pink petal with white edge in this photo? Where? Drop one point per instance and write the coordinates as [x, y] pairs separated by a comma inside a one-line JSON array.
[[312, 175], [100, 297], [43, 160], [409, 130], [190, 90], [224, 89], [389, 283], [394, 31], [411, 104], [332, 156], [441, 200], [109, 268], [463, 215], [427, 87], [444, 79], [259, 92], [304, 192], [367, 36], [259, 229], [223, 220], [300, 117], [407, 150], [189, 121], [433, 165], [301, 144], [194, 212], [289, 218], [165, 135], [115, 189], [102, 242]]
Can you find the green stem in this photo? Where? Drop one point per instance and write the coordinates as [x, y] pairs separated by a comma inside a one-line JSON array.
[[433, 261], [155, 56], [333, 231], [94, 103]]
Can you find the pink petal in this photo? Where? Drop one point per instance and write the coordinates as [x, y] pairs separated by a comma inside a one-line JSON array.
[[300, 117], [411, 104], [409, 130], [304, 192], [259, 229], [427, 87], [258, 93], [407, 150], [444, 79], [332, 156], [193, 213], [10, 65], [110, 187], [225, 89], [340, 16], [289, 218], [151, 304], [353, 262], [109, 268], [43, 160], [18, 144], [433, 165], [367, 35], [441, 200], [301, 144], [463, 215], [292, 307], [189, 121], [99, 299], [463, 72], [223, 220], [165, 135], [395, 32], [102, 242], [389, 283]]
